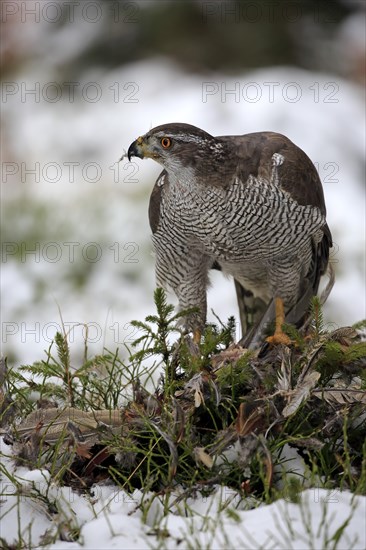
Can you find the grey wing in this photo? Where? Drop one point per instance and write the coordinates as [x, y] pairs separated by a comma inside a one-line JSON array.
[[298, 176], [155, 201]]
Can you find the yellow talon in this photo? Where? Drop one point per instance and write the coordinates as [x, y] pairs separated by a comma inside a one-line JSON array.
[[279, 336], [197, 336]]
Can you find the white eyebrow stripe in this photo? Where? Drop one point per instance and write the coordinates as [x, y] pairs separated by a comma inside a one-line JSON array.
[[190, 138]]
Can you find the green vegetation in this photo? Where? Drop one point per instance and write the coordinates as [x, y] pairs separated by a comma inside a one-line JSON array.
[[195, 415]]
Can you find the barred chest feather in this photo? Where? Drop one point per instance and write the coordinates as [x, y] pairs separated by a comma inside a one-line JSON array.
[[249, 221]]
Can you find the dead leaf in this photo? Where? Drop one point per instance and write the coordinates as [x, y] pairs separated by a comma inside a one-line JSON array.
[[267, 461], [307, 442], [341, 396], [198, 398], [201, 456], [343, 335], [284, 375], [199, 385], [179, 418], [231, 355], [301, 393], [82, 450], [249, 419]]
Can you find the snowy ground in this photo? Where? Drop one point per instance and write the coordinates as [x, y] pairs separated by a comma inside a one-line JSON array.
[[111, 518], [77, 240]]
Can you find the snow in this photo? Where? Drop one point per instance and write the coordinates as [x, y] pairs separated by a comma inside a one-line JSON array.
[[111, 518]]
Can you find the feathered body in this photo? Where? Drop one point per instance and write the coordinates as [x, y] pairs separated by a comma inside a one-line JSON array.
[[250, 205]]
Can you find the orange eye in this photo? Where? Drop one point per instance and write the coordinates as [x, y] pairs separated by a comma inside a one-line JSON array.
[[166, 142]]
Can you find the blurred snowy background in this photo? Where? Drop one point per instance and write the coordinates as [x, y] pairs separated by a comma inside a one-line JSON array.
[[81, 80]]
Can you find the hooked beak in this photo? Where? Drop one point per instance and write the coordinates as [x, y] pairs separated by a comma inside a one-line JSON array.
[[136, 149]]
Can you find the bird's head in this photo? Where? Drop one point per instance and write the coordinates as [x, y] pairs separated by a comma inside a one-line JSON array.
[[177, 147]]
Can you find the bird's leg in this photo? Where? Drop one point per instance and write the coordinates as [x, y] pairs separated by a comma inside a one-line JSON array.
[[279, 336], [197, 336]]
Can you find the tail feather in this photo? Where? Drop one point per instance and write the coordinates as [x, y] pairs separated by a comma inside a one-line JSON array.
[[298, 315], [255, 314]]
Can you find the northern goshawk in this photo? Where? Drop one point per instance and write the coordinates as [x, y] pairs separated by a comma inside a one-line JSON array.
[[250, 205]]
